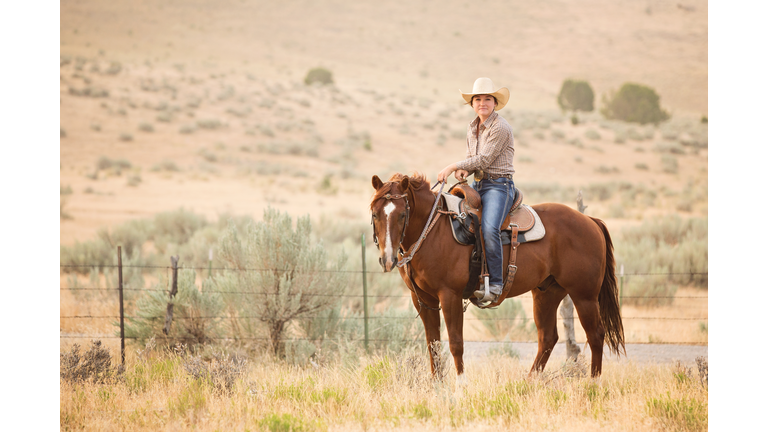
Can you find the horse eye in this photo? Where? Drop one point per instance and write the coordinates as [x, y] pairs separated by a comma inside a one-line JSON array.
[[402, 216]]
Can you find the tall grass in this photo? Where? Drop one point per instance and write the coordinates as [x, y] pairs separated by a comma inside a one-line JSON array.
[[166, 391]]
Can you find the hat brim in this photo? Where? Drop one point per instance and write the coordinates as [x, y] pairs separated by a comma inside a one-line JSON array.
[[501, 95]]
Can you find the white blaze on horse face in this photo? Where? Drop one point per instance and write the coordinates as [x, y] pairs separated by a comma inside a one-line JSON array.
[[388, 250]]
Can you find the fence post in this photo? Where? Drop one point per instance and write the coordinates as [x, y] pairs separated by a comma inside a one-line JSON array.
[[122, 315], [566, 308], [174, 289], [365, 295], [210, 261], [621, 285]]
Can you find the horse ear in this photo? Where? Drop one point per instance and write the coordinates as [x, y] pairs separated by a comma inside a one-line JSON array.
[[404, 184], [376, 182]]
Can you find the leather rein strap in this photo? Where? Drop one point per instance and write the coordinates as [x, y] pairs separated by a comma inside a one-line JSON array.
[[408, 256]]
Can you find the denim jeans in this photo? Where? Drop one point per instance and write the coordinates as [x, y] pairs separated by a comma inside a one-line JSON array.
[[497, 197]]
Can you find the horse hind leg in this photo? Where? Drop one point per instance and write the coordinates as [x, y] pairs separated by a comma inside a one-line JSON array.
[[545, 305], [589, 316]]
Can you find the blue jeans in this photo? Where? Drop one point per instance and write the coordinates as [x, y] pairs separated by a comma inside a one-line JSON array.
[[497, 197]]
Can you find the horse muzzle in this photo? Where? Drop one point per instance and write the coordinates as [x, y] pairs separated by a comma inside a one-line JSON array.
[[387, 264]]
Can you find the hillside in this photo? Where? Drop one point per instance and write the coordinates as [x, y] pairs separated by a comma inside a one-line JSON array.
[[202, 105]]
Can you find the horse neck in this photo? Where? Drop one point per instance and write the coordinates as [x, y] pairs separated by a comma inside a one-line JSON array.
[[421, 206]]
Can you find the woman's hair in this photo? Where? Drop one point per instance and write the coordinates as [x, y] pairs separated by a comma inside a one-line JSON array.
[[474, 96]]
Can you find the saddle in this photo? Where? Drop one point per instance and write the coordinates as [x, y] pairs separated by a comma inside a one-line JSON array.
[[463, 204], [522, 224]]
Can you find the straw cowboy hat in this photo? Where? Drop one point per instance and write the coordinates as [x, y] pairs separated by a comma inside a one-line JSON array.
[[485, 86]]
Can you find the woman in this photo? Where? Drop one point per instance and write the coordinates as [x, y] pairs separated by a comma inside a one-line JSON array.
[[490, 149]]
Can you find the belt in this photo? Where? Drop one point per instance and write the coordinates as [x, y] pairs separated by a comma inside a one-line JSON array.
[[484, 176]]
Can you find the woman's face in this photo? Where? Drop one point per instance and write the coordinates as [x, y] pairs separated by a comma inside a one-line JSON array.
[[483, 105]]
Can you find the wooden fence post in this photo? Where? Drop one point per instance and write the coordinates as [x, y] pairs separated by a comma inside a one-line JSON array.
[[621, 286], [174, 289], [210, 261], [365, 295], [122, 314], [566, 309]]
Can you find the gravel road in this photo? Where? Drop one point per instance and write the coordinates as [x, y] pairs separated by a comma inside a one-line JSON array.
[[637, 353]]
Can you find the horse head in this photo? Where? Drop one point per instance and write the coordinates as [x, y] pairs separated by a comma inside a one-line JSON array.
[[390, 213]]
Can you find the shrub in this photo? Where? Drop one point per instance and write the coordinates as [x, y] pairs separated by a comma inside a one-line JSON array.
[[196, 313], [146, 127], [133, 180], [506, 321], [222, 371], [209, 124], [94, 365], [669, 164], [671, 246], [576, 96], [89, 92], [592, 134], [277, 276], [634, 103], [319, 75], [166, 165], [176, 227], [105, 163]]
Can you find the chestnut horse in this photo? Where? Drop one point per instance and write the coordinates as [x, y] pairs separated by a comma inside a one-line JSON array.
[[575, 257]]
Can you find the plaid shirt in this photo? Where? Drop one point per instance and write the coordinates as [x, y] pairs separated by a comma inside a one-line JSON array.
[[494, 150]]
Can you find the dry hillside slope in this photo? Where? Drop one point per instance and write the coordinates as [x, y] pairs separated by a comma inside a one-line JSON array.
[[202, 104]]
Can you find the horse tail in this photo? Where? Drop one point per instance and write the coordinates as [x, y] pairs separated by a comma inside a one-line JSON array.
[[608, 299]]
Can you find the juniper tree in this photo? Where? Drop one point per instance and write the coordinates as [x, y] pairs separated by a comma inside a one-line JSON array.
[[275, 276]]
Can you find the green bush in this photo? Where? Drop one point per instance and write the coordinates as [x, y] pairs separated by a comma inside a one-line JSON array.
[[196, 313], [666, 252], [319, 75], [576, 96], [669, 164], [506, 321], [275, 276], [634, 103]]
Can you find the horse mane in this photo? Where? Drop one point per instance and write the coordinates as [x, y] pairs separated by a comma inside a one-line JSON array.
[[416, 182]]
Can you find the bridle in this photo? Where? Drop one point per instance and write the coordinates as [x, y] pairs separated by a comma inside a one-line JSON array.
[[407, 257], [390, 197]]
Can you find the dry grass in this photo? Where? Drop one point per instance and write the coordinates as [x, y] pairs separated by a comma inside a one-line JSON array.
[[386, 393]]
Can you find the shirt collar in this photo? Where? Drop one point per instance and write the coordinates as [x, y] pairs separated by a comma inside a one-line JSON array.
[[487, 122]]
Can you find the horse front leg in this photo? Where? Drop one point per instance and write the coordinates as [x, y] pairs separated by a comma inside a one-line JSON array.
[[453, 312], [430, 317]]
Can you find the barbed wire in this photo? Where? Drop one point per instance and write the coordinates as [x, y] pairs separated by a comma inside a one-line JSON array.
[[339, 295], [317, 271], [359, 317], [419, 341]]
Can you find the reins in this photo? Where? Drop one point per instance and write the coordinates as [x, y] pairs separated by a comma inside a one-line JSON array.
[[408, 256]]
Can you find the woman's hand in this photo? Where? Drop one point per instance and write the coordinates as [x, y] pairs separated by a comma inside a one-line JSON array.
[[443, 175]]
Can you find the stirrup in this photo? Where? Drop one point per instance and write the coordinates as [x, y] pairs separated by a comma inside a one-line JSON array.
[[485, 296]]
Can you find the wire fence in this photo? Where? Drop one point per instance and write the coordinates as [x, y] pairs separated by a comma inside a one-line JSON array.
[[690, 301]]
